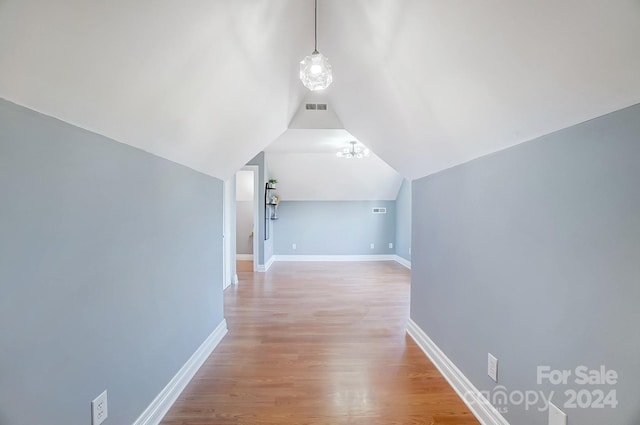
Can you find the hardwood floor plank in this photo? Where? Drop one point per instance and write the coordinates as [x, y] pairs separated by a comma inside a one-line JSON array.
[[319, 343]]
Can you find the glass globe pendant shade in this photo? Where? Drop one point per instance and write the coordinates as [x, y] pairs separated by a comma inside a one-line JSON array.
[[315, 72]]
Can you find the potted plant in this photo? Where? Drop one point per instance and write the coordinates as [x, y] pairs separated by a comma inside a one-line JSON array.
[[271, 183]]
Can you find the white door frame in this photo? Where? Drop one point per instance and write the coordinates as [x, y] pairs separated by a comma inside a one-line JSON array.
[[227, 255], [256, 229]]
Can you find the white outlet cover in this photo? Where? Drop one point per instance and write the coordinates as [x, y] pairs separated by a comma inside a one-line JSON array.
[[99, 411], [556, 416], [390, 244], [294, 246], [372, 246], [492, 367]]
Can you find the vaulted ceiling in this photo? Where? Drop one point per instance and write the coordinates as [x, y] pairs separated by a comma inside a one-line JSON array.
[[426, 84]]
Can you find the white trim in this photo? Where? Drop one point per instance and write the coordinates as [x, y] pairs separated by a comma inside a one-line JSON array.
[[244, 257], [477, 403], [265, 268], [154, 413], [235, 279], [403, 261], [256, 212], [226, 235], [375, 257], [381, 257]]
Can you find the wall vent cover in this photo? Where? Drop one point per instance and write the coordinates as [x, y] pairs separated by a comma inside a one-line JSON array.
[[316, 106], [379, 210]]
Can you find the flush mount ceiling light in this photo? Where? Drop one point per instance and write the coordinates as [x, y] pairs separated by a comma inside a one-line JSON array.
[[315, 69], [353, 151]]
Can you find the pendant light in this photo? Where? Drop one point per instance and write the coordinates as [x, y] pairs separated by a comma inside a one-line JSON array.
[[315, 69], [354, 151]]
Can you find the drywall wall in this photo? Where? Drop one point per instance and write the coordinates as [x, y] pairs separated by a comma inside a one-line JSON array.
[[403, 221], [244, 227], [532, 254], [110, 271], [334, 228]]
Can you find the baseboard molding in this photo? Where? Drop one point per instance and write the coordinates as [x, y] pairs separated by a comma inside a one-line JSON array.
[[381, 257], [374, 257], [477, 403], [403, 261], [163, 402], [266, 267], [244, 257]]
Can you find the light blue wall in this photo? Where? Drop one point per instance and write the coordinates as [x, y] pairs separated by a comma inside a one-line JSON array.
[[110, 271], [532, 254], [403, 221], [334, 228]]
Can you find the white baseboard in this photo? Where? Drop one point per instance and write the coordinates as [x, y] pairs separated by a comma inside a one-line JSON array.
[[266, 267], [234, 279], [375, 257], [381, 257], [244, 257], [477, 403], [163, 402], [402, 261]]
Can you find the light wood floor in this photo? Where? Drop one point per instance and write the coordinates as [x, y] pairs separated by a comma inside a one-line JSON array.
[[244, 266], [319, 343]]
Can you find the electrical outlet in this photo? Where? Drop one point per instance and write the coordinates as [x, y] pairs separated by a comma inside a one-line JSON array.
[[99, 410], [556, 416], [373, 246], [492, 368], [409, 251], [390, 244], [294, 246]]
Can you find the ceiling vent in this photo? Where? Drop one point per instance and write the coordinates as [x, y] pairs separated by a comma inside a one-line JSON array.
[[316, 106]]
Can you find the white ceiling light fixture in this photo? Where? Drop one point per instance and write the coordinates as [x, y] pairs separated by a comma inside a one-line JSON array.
[[315, 69], [353, 151]]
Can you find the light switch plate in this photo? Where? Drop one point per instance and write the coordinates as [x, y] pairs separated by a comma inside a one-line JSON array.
[[556, 416]]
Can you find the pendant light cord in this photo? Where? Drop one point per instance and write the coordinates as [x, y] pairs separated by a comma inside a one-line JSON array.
[[315, 47]]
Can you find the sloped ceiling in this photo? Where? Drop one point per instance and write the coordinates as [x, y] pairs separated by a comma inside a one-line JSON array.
[[426, 84], [204, 83], [304, 162], [323, 177], [431, 84]]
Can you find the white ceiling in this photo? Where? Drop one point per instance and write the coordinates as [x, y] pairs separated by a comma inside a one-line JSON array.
[[426, 84], [311, 141], [305, 163], [431, 84], [324, 177]]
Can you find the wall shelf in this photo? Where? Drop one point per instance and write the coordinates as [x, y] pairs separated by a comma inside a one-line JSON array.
[[270, 208]]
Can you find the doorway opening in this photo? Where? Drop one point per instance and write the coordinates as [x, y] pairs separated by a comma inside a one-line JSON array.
[[247, 234]]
